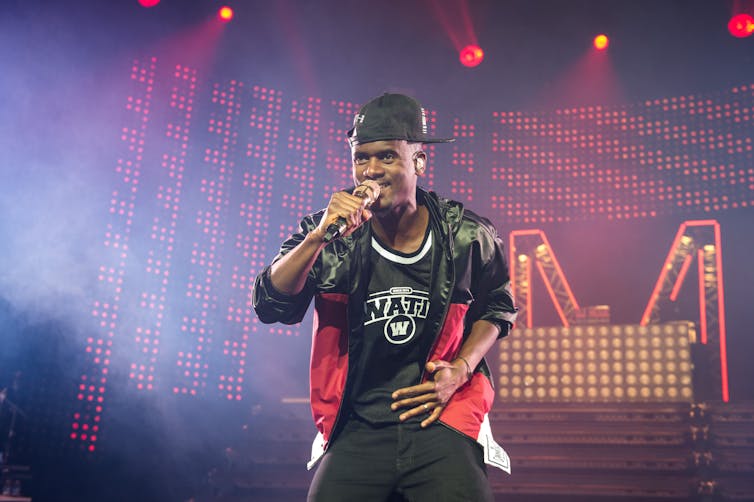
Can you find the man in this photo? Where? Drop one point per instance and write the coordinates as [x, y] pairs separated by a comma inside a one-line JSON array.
[[409, 296]]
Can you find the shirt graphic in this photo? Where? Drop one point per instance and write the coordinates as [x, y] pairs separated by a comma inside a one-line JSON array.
[[398, 308]]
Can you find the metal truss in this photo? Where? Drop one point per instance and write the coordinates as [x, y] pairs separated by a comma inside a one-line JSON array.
[[530, 249], [698, 239]]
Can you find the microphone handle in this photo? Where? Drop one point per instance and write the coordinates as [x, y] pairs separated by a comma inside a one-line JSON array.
[[334, 230]]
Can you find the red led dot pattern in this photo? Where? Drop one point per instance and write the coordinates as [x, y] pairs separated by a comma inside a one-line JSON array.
[[160, 241], [299, 174], [248, 256], [205, 265], [428, 180], [462, 161], [676, 155], [300, 170], [93, 384], [196, 215], [338, 161]]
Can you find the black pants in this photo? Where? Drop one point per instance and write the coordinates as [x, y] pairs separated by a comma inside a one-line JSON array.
[[401, 462]]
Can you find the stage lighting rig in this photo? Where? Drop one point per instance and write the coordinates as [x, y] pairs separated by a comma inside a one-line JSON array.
[[225, 14], [601, 42], [741, 25], [471, 56]]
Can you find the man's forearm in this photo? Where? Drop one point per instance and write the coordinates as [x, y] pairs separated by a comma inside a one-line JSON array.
[[288, 275], [482, 337]]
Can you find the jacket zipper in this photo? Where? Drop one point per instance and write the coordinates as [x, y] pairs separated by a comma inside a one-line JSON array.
[[348, 366], [446, 307], [451, 248]]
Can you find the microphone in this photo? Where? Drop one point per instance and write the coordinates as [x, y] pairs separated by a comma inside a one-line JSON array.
[[369, 190]]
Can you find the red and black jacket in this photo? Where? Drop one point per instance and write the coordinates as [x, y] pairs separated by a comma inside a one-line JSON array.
[[470, 282]]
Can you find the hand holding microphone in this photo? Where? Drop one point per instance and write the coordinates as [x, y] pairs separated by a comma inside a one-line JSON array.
[[369, 192]]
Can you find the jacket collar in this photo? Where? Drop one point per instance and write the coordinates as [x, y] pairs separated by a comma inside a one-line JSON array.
[[447, 213]]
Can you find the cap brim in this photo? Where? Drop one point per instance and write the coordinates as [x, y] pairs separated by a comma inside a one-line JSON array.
[[372, 139], [437, 140]]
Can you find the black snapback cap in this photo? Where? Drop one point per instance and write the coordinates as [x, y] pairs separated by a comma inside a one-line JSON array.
[[391, 116]]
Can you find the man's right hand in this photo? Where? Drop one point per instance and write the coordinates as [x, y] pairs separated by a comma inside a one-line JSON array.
[[344, 205], [288, 275]]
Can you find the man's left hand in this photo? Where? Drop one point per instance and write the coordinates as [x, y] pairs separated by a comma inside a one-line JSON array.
[[431, 396]]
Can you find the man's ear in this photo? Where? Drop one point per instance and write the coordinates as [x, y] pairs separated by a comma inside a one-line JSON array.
[[420, 160]]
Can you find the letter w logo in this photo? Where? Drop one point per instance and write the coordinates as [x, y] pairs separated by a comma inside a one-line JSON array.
[[399, 328]]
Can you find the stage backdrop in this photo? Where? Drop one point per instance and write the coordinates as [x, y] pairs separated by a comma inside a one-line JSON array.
[[205, 178], [210, 176]]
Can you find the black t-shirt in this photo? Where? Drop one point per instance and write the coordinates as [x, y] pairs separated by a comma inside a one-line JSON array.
[[395, 345]]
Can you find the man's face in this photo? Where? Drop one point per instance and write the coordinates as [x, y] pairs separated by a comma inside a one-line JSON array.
[[392, 164]]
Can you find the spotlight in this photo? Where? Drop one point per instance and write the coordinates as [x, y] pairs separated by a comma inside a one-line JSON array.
[[741, 25], [225, 14], [148, 3], [601, 42], [471, 56]]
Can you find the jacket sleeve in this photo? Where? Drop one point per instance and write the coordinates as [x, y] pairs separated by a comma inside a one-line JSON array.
[[270, 304], [492, 288]]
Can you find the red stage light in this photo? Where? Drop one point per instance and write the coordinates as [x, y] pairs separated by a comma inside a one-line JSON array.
[[225, 13], [741, 25], [148, 3], [471, 56], [601, 42]]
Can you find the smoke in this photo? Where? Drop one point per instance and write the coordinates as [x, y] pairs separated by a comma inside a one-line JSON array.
[[57, 135], [51, 225]]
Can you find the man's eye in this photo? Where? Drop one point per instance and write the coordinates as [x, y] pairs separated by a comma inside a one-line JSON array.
[[388, 157], [359, 160]]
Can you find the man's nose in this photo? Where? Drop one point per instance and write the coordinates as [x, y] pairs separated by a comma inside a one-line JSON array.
[[373, 168]]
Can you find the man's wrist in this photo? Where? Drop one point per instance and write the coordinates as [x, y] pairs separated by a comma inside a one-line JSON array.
[[466, 367], [316, 237]]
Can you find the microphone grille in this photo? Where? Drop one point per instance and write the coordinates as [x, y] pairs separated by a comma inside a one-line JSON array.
[[371, 185]]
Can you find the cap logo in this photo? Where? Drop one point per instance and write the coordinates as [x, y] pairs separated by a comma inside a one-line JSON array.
[[424, 121], [358, 119]]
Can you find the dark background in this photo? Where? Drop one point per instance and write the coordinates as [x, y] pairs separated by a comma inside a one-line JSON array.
[[65, 76]]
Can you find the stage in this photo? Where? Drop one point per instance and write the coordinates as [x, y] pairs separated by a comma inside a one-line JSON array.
[[154, 157]]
